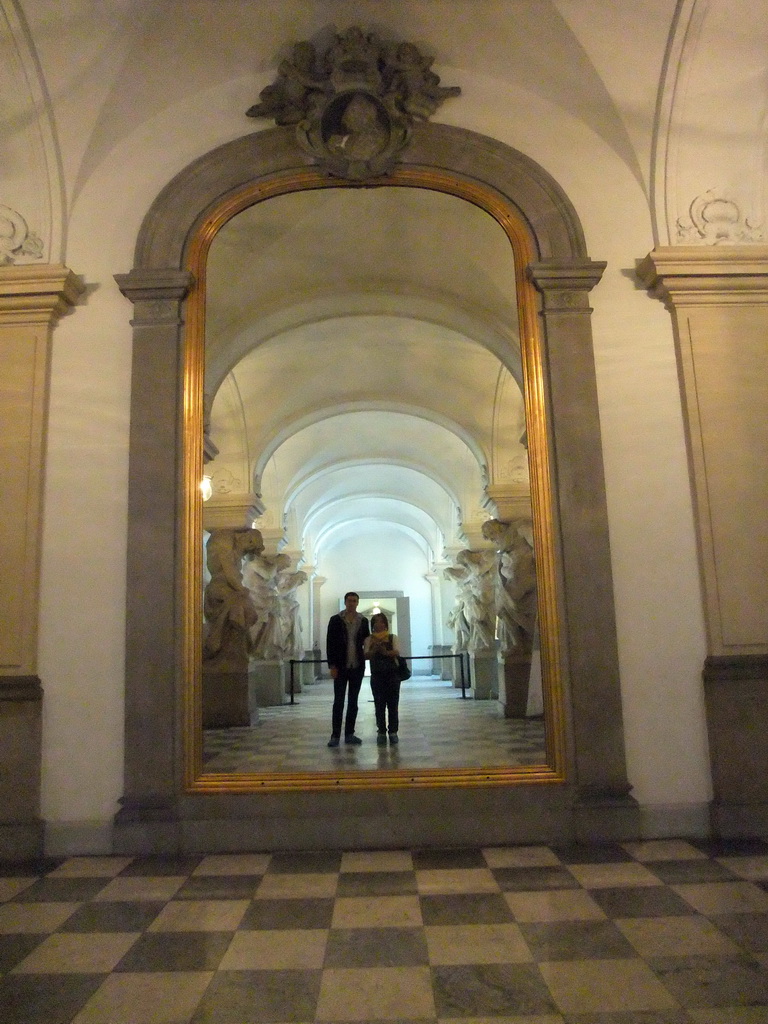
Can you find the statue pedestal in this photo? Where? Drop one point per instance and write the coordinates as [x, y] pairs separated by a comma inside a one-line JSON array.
[[307, 669], [266, 684], [485, 675], [225, 699], [515, 678]]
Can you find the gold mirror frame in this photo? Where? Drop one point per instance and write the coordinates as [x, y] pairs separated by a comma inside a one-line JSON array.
[[196, 781]]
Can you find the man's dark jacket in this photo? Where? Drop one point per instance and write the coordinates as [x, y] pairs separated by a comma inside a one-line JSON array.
[[336, 641]]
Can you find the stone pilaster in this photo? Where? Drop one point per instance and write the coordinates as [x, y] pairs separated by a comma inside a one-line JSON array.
[[32, 298], [589, 617], [718, 299], [154, 614]]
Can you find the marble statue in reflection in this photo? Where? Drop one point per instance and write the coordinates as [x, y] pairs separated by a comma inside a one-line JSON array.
[[291, 639], [227, 605], [229, 615], [516, 593], [260, 577]]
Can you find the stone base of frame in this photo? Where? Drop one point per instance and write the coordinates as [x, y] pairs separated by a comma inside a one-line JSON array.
[[21, 840], [463, 817]]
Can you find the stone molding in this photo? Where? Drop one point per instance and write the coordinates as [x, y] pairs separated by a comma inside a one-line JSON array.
[[699, 276], [37, 294]]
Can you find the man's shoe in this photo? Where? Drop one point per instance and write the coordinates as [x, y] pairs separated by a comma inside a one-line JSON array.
[[393, 738], [354, 740], [333, 741], [381, 739]]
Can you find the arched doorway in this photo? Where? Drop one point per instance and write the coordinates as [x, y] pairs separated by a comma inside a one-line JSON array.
[[161, 808]]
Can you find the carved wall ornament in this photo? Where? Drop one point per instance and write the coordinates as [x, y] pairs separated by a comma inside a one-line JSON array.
[[354, 102], [16, 240], [224, 481], [715, 220]]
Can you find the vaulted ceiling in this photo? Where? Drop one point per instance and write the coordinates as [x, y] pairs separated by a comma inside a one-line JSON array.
[[363, 362]]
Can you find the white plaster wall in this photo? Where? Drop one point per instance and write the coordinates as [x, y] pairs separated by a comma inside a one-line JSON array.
[[655, 569], [380, 558]]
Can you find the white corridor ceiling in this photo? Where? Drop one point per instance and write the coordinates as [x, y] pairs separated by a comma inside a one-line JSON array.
[[362, 361]]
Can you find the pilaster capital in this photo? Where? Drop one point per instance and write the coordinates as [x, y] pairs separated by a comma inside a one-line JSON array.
[[230, 511], [511, 501], [565, 284], [147, 284], [37, 294], [695, 275]]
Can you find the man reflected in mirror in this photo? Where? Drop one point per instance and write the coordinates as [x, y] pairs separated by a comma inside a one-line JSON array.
[[346, 633]]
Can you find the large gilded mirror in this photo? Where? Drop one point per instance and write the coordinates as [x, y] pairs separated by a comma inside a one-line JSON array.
[[364, 411]]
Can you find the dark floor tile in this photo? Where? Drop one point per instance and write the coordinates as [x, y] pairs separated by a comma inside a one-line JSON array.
[[713, 981], [731, 847], [13, 949], [534, 879], [308, 861], [218, 887], [120, 916], [641, 901], [589, 853], [29, 868], [479, 990], [465, 908], [377, 883], [437, 859], [678, 872], [45, 998], [576, 940], [376, 947], [155, 866], [290, 913], [62, 890], [176, 951], [749, 930], [257, 997]]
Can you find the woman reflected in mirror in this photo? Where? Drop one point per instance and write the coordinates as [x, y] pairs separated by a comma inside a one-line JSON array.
[[382, 649]]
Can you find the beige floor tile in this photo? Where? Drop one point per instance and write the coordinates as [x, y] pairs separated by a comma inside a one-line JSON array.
[[307, 886], [746, 867], [233, 864], [609, 876], [34, 917], [200, 916], [728, 1015], [476, 944], [724, 897], [10, 887], [75, 953], [664, 849], [141, 887], [376, 993], [275, 950], [605, 986], [377, 860], [557, 905], [146, 998], [520, 857], [91, 867], [676, 936], [444, 881], [377, 912]]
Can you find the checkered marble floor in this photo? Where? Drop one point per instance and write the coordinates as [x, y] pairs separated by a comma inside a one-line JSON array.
[[660, 932], [438, 729]]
